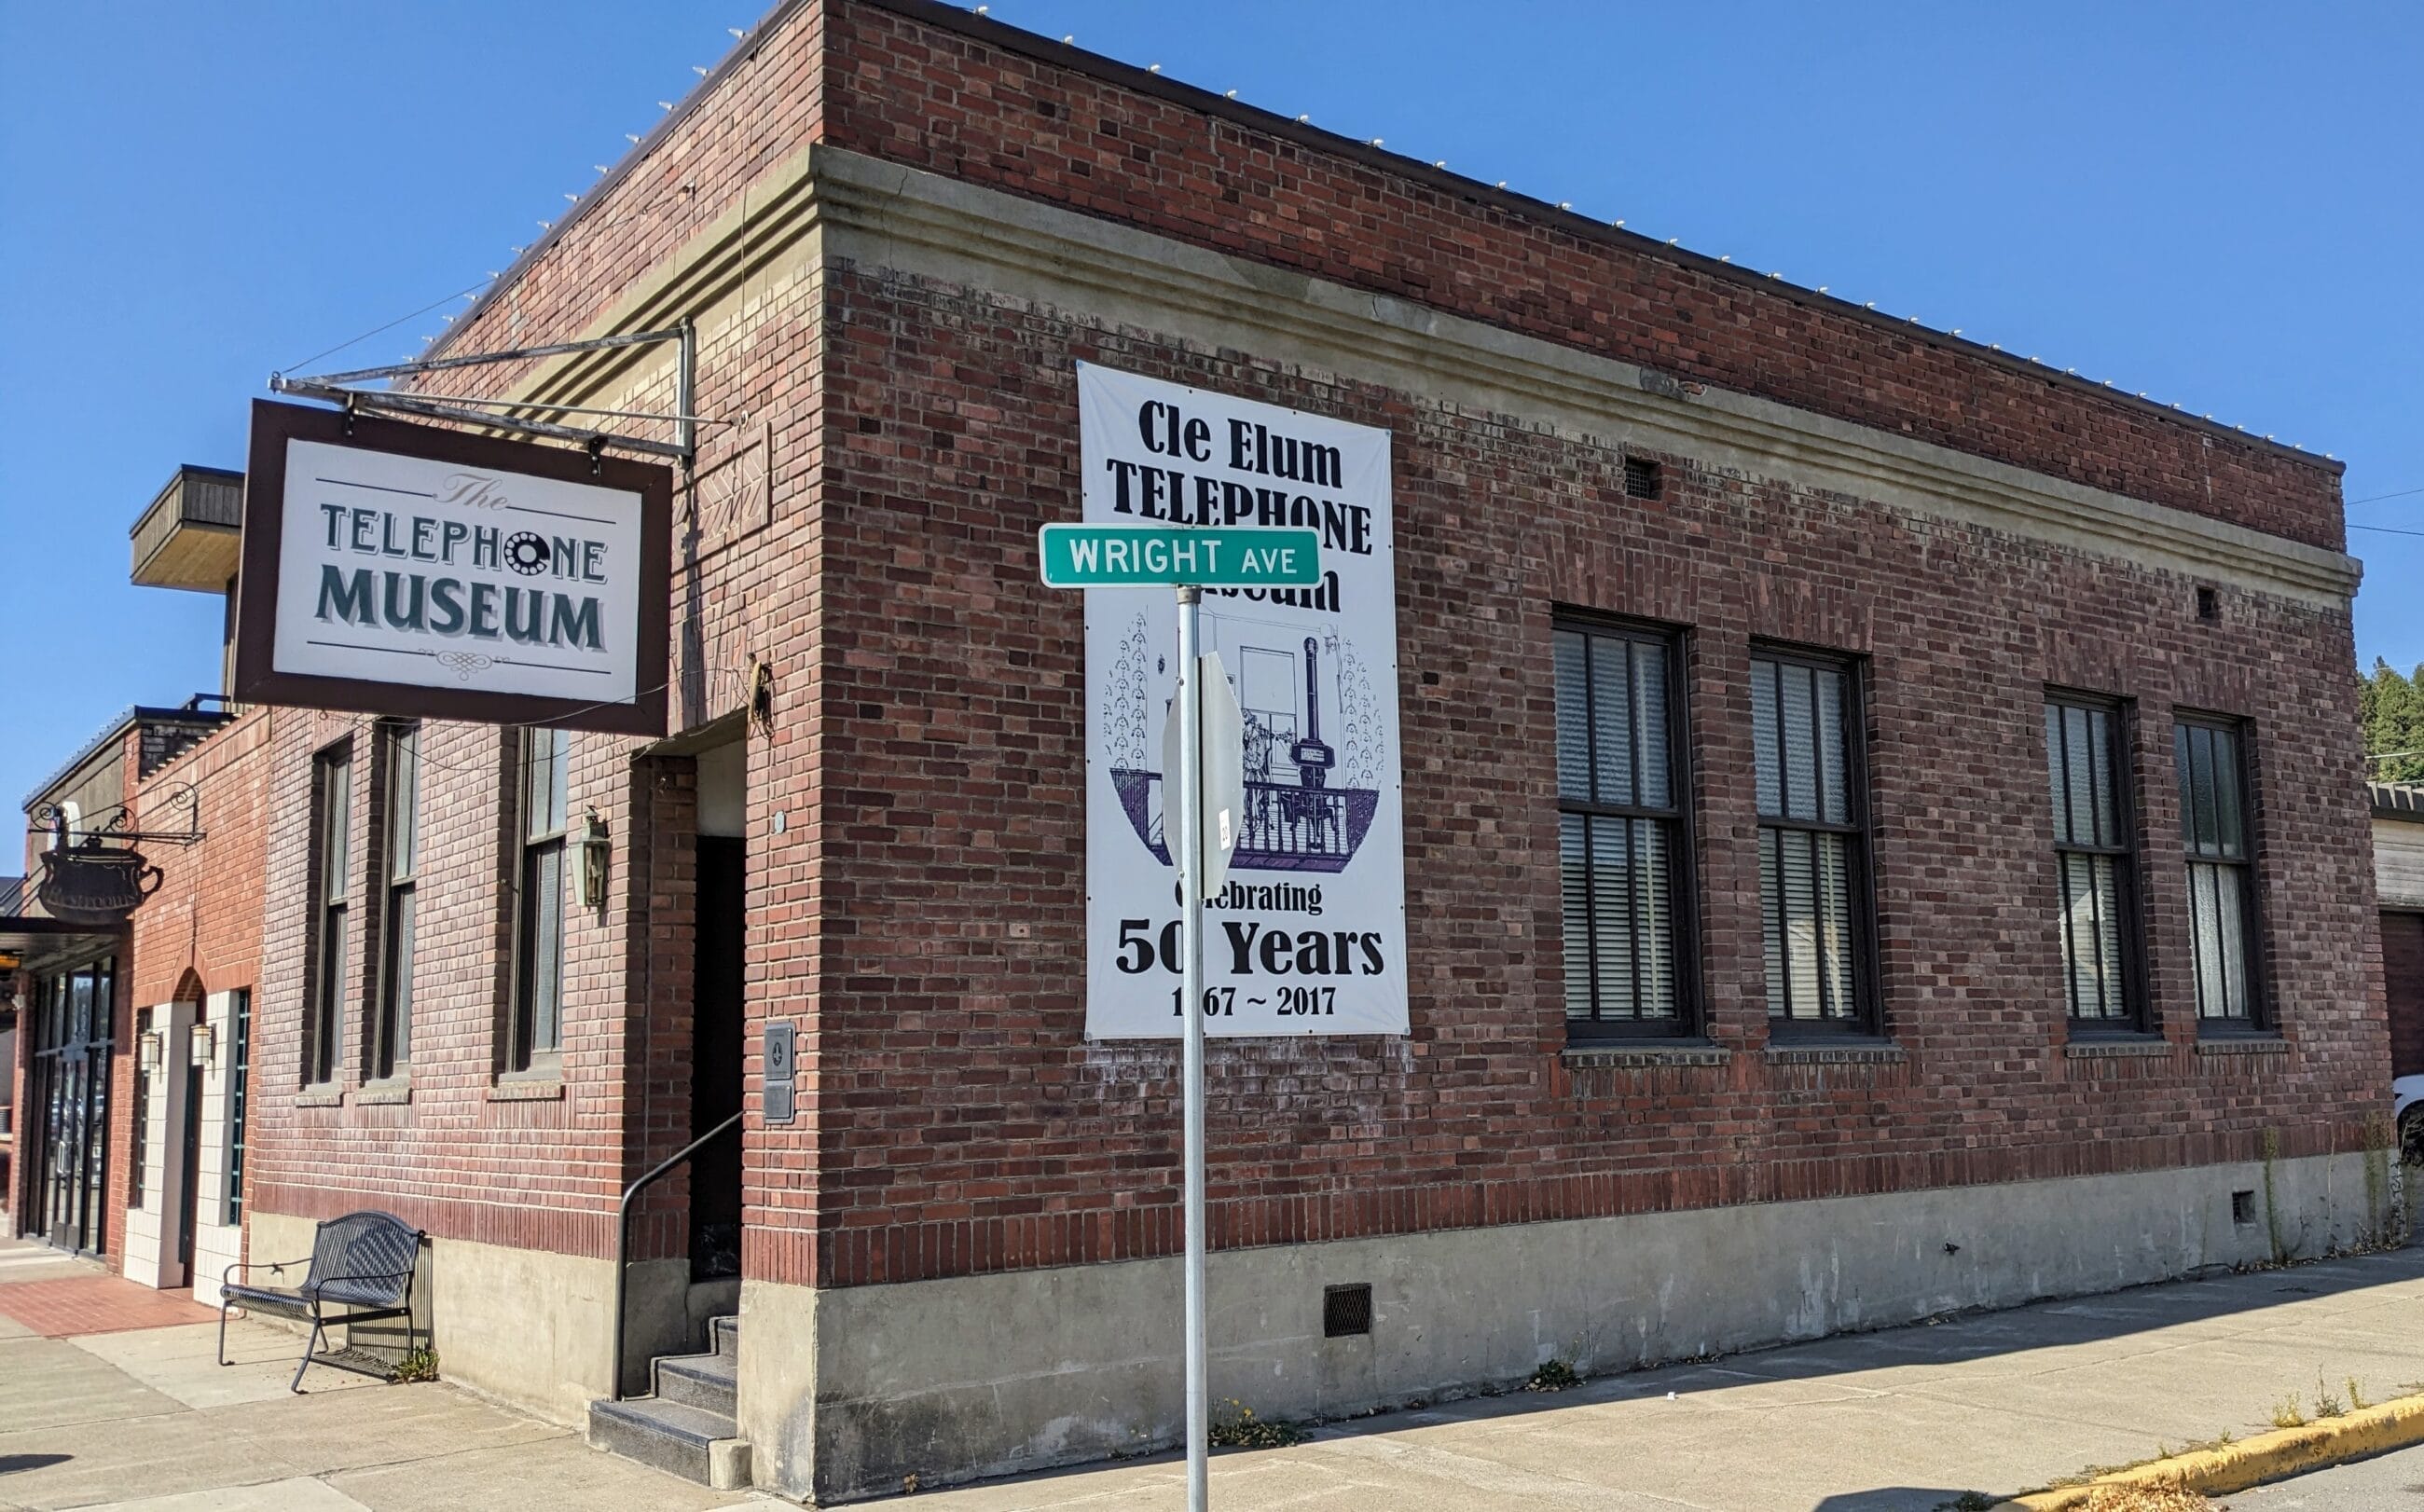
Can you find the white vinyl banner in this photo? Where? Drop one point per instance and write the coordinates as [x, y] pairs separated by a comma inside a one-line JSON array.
[[1308, 936], [402, 569]]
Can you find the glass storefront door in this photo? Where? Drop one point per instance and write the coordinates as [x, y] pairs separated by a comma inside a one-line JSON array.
[[68, 1105]]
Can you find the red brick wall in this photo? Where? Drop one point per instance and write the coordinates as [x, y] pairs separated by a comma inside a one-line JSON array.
[[200, 933], [467, 1156], [930, 85], [969, 1127], [920, 746], [206, 916]]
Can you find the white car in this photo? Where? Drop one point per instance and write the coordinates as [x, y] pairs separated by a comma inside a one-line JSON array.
[[2407, 1106]]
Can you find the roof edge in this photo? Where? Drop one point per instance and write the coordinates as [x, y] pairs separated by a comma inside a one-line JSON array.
[[973, 24], [120, 723]]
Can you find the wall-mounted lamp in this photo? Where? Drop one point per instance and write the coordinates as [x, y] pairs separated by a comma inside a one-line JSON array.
[[595, 847], [151, 1049], [205, 1044]]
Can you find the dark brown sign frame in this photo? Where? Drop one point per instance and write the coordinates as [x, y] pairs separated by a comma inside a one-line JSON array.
[[257, 679]]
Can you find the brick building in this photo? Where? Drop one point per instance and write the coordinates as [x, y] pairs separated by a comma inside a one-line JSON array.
[[2016, 934], [76, 1064], [132, 1040]]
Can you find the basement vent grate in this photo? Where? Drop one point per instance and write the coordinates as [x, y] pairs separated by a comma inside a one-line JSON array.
[[2242, 1207], [1641, 478], [2208, 605], [1345, 1310]]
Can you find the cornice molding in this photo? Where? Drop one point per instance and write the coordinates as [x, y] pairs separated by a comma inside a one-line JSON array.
[[883, 214], [825, 204]]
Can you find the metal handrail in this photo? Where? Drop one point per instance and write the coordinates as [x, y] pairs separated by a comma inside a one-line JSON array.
[[623, 1235]]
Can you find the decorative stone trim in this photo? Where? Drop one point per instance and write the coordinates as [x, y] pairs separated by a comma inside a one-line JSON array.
[[529, 1090], [1836, 1055], [2251, 1046], [2103, 1049], [885, 215], [379, 1094], [825, 204], [320, 1097], [1603, 1056]]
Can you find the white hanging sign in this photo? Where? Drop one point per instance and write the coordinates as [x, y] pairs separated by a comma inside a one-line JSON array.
[[1308, 933]]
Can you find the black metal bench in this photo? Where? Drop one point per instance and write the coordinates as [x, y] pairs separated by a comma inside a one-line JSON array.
[[362, 1262]]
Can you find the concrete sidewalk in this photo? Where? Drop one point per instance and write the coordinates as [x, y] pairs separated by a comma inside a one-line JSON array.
[[139, 1419], [1901, 1421]]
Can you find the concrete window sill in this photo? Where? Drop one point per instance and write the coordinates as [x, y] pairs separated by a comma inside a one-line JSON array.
[[546, 1090], [377, 1093], [1836, 1055], [2100, 1049], [320, 1097], [2243, 1047], [1584, 1056]]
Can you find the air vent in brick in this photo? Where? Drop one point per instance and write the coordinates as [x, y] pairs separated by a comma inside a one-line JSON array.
[[2208, 604], [2242, 1207], [1641, 478], [1345, 1310]]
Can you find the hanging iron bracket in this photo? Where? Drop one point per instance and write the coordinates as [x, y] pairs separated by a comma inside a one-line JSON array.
[[344, 387]]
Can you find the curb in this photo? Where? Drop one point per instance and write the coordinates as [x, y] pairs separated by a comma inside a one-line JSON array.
[[2267, 1456]]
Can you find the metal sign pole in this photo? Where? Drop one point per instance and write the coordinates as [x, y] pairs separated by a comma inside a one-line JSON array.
[[1189, 810]]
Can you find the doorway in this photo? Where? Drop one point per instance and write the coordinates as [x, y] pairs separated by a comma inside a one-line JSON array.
[[68, 1106], [719, 987]]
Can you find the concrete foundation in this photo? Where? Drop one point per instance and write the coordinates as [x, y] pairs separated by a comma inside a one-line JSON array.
[[528, 1328], [844, 1392]]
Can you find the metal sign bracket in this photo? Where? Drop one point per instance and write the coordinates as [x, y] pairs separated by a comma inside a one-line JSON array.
[[342, 388]]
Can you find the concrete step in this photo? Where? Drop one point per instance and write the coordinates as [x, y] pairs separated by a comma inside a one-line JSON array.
[[724, 1335], [709, 1382], [689, 1441]]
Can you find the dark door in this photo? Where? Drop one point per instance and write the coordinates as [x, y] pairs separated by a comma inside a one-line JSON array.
[[68, 1107], [715, 1058], [191, 1186], [2403, 973]]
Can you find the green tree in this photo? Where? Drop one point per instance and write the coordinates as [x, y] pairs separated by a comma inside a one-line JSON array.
[[2393, 707]]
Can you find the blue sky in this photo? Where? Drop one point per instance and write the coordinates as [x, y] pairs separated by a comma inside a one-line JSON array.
[[2217, 204]]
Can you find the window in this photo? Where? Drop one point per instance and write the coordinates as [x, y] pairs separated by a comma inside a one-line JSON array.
[[332, 803], [1622, 851], [239, 1053], [392, 1033], [1812, 842], [141, 1125], [2222, 894], [2085, 762], [538, 985]]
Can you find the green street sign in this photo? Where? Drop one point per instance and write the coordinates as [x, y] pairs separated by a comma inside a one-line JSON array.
[[1161, 556]]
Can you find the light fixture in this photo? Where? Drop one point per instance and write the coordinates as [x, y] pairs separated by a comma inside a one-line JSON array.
[[596, 847], [151, 1053], [204, 1044]]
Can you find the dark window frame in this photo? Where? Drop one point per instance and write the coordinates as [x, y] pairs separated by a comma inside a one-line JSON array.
[[332, 935], [396, 822], [536, 1038], [2137, 1020], [138, 1123], [1867, 1020], [239, 1097], [1690, 1018], [2259, 1022]]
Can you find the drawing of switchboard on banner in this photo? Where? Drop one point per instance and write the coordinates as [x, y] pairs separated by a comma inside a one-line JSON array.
[[1308, 935]]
